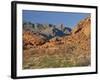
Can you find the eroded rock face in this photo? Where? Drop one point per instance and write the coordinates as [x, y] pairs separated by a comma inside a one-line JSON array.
[[83, 26], [32, 39]]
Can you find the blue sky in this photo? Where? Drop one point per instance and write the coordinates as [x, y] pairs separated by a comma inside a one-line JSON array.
[[69, 19]]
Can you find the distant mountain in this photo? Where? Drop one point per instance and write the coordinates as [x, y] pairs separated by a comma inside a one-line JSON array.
[[47, 30]]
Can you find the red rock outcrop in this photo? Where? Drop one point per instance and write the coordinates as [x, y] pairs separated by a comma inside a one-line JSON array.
[[32, 39]]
